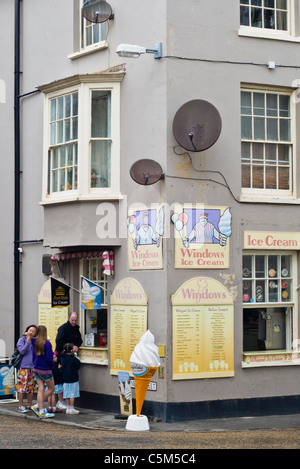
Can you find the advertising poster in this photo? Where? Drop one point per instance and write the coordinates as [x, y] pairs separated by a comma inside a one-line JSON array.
[[128, 322], [7, 380], [202, 330], [202, 236], [145, 230], [90, 294], [125, 393]]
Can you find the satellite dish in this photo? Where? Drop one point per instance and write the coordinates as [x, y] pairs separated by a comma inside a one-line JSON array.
[[197, 125], [146, 172], [97, 11]]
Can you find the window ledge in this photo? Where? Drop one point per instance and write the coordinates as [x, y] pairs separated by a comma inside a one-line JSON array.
[[88, 50], [258, 199], [263, 34], [268, 358], [83, 198]]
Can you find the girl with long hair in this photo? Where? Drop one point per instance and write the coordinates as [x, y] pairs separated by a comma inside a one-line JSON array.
[[42, 366]]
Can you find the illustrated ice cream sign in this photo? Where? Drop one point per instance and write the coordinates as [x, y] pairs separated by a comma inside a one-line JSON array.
[[145, 231], [202, 236], [90, 294], [7, 382]]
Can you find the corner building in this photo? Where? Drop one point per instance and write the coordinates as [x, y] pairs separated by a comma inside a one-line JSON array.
[[206, 254]]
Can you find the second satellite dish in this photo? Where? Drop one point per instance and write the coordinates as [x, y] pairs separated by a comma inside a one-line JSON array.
[[197, 125], [97, 11], [146, 172]]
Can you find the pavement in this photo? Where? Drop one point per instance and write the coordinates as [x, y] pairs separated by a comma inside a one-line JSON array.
[[98, 420]]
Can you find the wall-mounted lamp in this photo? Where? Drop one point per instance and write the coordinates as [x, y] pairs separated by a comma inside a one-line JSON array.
[[129, 50]]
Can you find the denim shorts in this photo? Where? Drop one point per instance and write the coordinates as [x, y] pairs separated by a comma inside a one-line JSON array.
[[45, 378]]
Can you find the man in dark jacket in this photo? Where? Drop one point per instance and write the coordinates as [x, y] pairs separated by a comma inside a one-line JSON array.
[[69, 333]]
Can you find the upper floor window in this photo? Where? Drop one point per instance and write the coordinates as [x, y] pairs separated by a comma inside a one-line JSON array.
[[265, 14], [82, 138], [266, 142]]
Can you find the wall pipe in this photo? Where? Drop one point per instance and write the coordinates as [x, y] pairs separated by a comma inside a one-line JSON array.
[[17, 171]]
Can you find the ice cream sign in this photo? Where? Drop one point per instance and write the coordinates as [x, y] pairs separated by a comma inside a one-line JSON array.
[[90, 295], [202, 236], [271, 240]]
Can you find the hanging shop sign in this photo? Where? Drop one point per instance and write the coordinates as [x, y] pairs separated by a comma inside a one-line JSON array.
[[145, 231], [90, 294], [128, 322], [202, 310], [271, 240], [202, 236], [60, 293], [51, 318]]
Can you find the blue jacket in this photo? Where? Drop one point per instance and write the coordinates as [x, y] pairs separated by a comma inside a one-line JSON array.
[[45, 361], [70, 367]]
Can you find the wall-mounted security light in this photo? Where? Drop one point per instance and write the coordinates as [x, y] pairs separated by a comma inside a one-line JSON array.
[[134, 51]]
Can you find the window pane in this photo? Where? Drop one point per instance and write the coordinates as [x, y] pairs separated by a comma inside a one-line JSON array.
[[258, 153], [74, 104], [283, 154], [244, 16], [282, 21], [246, 103], [53, 110], [246, 176], [60, 107], [54, 181], [283, 178], [68, 105], [256, 17], [269, 19], [259, 266], [285, 130], [245, 151], [53, 133], [271, 180], [284, 106], [270, 150], [246, 127], [260, 291], [67, 130], [259, 128], [258, 177], [272, 105], [100, 114], [272, 129], [258, 104], [74, 128], [100, 164], [62, 156]]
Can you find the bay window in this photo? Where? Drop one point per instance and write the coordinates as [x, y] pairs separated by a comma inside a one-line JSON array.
[[82, 138]]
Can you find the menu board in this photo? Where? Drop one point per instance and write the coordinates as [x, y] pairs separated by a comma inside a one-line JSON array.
[[128, 324], [202, 332], [51, 318]]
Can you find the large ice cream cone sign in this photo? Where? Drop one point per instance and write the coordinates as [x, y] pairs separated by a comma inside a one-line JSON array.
[[90, 294], [141, 384], [144, 362]]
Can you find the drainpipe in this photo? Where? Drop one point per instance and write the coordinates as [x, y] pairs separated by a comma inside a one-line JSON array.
[[17, 173]]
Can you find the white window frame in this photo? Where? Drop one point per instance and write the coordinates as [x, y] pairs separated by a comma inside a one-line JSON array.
[[289, 35], [81, 48], [292, 322], [274, 194], [84, 85]]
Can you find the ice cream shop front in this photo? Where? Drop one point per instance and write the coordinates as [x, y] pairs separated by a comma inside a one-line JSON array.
[[218, 302]]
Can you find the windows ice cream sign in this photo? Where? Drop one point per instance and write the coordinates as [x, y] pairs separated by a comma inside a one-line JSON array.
[[145, 231], [202, 237]]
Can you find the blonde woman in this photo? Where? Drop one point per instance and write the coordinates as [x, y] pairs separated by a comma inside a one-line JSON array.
[[42, 366]]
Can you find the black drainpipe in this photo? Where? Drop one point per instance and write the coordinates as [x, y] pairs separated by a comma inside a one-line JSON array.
[[17, 173]]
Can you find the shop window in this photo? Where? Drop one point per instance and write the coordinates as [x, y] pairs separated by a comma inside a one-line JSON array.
[[94, 321], [268, 282], [266, 143]]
